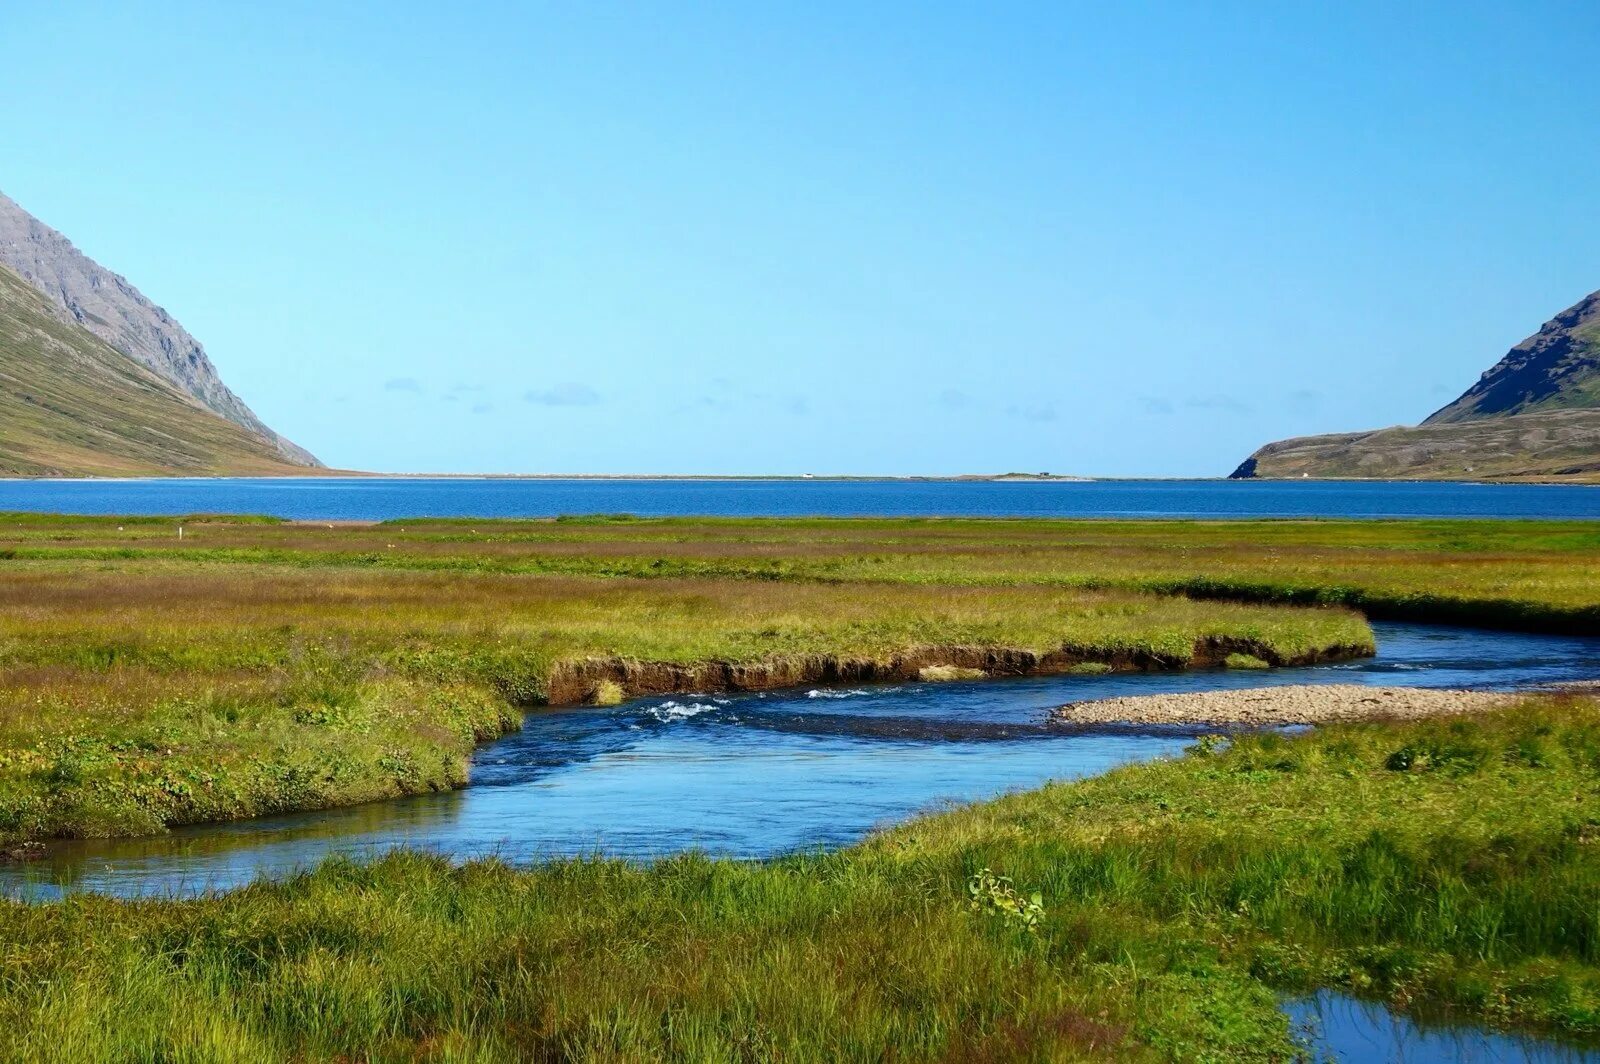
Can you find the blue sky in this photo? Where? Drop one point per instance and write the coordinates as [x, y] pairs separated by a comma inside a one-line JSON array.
[[867, 238]]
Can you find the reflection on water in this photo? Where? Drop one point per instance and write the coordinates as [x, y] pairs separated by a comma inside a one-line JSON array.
[[1340, 1028], [759, 774]]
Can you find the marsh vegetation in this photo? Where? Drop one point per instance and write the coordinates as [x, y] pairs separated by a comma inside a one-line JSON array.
[[1441, 864], [1153, 913]]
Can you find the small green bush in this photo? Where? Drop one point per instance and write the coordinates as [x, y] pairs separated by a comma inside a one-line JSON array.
[[995, 896], [1245, 661]]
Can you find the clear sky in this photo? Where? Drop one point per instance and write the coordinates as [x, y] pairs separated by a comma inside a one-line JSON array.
[[839, 237]]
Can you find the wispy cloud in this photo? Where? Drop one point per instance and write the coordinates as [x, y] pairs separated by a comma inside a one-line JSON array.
[[482, 408], [729, 394], [1225, 403], [569, 394], [1033, 412], [402, 384], [1154, 404], [954, 399]]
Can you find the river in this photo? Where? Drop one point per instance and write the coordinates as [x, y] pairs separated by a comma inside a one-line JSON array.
[[760, 774]]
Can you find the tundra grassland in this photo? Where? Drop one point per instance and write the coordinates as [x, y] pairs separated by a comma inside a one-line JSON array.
[[260, 668], [1155, 913], [1511, 573], [256, 666]]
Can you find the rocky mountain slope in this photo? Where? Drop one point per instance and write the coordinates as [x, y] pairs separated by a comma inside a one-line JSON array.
[[80, 291], [1557, 368], [70, 404], [1535, 414]]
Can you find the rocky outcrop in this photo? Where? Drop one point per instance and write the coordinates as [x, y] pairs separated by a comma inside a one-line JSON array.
[[1535, 414], [84, 293], [576, 682]]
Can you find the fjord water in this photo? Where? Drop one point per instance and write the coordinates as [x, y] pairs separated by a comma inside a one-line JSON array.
[[382, 498], [760, 774]]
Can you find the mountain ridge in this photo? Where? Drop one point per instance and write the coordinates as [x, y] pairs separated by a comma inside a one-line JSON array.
[[1556, 367], [73, 405], [79, 291], [1534, 414]]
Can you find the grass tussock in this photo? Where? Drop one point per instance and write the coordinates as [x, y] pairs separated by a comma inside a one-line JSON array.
[[1151, 914]]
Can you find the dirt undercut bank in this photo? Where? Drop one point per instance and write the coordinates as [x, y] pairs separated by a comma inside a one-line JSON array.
[[577, 682]]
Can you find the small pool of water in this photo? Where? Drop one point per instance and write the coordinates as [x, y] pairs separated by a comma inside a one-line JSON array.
[[759, 774], [1337, 1027]]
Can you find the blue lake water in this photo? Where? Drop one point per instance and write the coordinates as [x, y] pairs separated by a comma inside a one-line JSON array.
[[761, 774], [378, 498]]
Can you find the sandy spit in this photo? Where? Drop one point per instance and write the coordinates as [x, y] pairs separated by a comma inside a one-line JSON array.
[[1303, 704]]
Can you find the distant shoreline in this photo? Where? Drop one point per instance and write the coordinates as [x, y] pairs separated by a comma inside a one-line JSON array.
[[786, 478], [336, 474]]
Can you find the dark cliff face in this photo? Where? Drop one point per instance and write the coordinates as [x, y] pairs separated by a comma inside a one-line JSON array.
[[86, 294], [1556, 368]]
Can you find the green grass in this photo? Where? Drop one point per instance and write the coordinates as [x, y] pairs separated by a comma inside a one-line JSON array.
[[73, 405], [1540, 574], [260, 666], [1178, 898], [444, 630], [144, 692]]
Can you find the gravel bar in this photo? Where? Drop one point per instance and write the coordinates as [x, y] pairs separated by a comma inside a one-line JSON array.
[[1302, 704]]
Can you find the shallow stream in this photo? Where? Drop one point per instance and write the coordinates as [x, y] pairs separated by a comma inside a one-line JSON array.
[[759, 774]]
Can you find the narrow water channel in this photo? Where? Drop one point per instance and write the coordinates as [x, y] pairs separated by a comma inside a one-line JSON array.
[[759, 774], [1336, 1027]]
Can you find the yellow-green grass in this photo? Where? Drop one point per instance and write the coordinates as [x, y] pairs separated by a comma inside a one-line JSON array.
[[70, 404], [1442, 864], [443, 630], [142, 692], [1512, 573]]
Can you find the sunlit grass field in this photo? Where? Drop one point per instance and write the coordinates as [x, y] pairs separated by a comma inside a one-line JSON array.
[[1544, 573], [254, 667], [257, 666], [1445, 864]]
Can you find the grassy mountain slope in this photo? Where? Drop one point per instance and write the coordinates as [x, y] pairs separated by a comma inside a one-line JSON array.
[[1534, 415], [1556, 445], [71, 405], [79, 291]]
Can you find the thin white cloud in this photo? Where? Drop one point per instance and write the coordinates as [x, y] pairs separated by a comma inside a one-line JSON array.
[[567, 394]]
